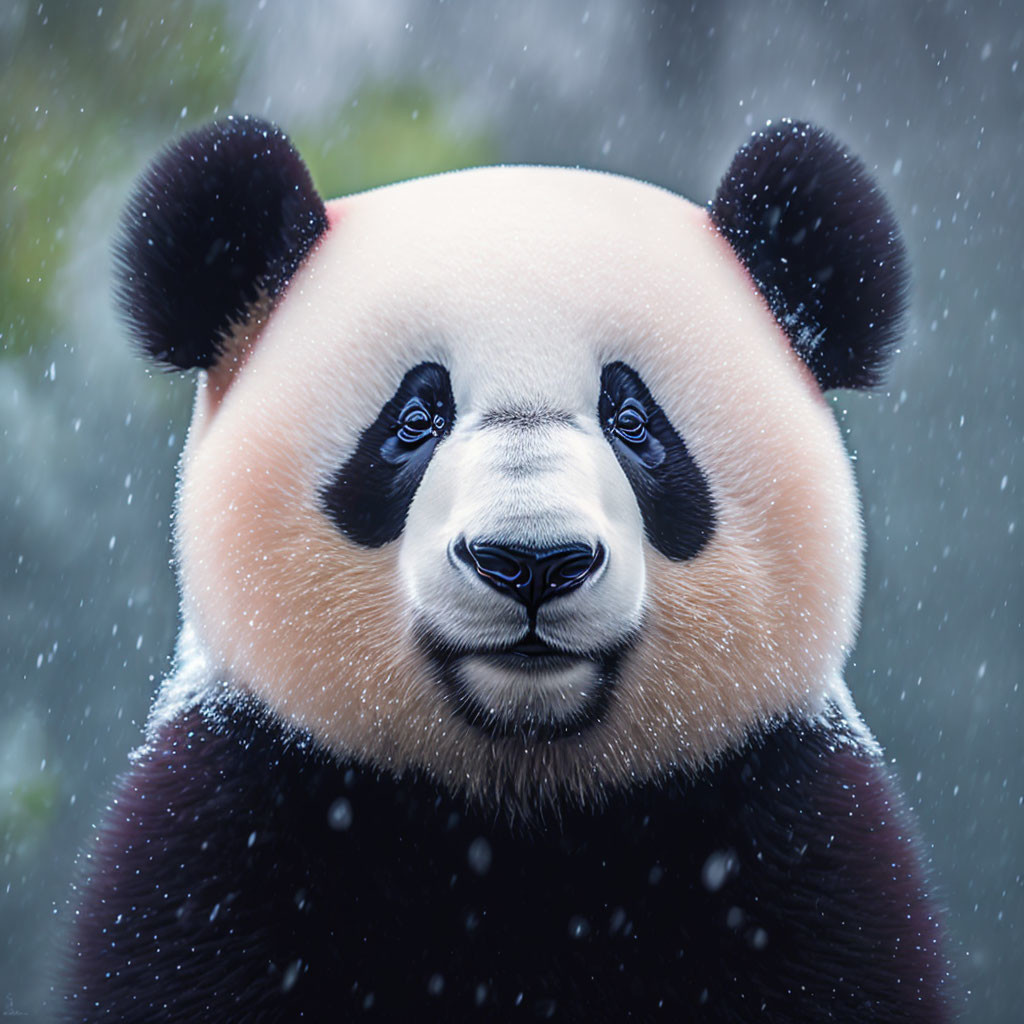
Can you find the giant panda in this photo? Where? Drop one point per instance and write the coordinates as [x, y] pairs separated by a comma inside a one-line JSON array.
[[519, 560]]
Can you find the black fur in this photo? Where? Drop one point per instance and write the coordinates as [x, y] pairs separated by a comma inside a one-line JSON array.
[[671, 491], [242, 877], [223, 215], [368, 498], [822, 245]]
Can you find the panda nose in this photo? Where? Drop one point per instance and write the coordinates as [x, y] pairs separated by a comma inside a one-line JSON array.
[[530, 575]]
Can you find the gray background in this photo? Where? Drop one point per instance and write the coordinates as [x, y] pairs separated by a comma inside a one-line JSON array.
[[928, 94]]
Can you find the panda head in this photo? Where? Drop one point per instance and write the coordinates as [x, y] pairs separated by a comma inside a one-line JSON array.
[[519, 476]]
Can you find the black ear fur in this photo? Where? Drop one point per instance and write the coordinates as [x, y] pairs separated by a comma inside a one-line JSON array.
[[822, 245], [224, 215]]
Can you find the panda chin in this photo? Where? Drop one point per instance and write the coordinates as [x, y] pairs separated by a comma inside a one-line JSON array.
[[529, 691]]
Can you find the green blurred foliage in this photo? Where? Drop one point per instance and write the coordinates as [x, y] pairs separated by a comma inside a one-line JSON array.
[[90, 89], [80, 83], [387, 134], [27, 808]]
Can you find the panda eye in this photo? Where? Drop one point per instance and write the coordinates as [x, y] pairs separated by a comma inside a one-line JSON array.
[[415, 424], [630, 422], [626, 422], [423, 420]]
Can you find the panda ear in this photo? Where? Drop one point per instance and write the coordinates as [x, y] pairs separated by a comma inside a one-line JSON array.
[[223, 217], [822, 245]]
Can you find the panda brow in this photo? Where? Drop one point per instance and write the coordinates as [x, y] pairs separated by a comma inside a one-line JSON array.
[[526, 418]]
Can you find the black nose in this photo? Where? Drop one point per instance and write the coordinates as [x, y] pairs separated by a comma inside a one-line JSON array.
[[530, 575]]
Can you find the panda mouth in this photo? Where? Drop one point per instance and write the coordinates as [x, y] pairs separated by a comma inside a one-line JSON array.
[[529, 690], [531, 654]]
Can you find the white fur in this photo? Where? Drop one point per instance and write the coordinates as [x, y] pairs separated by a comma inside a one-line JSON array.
[[524, 282]]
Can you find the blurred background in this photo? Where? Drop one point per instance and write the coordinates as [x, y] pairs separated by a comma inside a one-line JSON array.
[[930, 95]]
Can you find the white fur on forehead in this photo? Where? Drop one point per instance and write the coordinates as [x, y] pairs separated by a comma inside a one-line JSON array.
[[524, 282]]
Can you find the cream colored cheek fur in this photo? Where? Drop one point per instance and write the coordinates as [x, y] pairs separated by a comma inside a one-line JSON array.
[[756, 627]]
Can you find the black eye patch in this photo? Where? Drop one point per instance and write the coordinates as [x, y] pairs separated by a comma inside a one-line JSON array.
[[673, 495], [368, 499]]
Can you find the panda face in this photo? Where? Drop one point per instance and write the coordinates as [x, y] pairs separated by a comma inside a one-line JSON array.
[[520, 482], [522, 554]]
